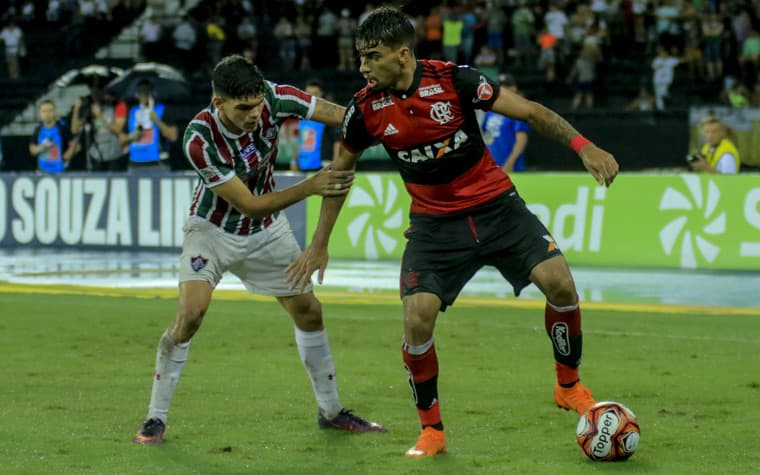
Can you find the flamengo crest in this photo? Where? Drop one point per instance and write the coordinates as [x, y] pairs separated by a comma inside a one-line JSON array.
[[441, 112]]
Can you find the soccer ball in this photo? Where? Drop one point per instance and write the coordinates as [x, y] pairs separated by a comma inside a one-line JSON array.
[[608, 431]]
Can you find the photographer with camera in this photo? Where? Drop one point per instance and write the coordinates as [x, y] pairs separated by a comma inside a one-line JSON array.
[[98, 120], [149, 125], [718, 154]]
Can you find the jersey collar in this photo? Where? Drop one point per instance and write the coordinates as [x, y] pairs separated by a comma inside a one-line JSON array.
[[415, 83]]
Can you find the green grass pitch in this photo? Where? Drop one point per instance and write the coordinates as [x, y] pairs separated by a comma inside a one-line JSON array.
[[76, 376]]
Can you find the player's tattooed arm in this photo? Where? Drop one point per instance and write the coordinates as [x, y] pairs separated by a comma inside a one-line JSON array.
[[328, 113], [550, 124]]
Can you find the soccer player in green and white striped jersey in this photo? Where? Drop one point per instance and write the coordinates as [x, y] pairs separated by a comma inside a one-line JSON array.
[[236, 225]]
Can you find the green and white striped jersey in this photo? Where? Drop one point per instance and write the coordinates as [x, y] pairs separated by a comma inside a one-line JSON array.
[[218, 155]]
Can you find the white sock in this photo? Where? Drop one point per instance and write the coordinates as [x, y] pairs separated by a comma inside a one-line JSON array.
[[314, 350], [170, 359]]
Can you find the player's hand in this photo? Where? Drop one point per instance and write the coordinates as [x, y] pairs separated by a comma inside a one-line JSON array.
[[298, 273], [329, 182], [601, 164]]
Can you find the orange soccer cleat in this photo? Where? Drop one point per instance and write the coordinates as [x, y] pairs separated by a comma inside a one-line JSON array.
[[151, 432], [430, 443], [577, 398]]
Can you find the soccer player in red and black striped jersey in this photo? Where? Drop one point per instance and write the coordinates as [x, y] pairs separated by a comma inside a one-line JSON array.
[[236, 225], [465, 212]]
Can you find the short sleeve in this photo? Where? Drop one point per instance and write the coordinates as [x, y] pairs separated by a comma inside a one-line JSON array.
[[475, 88], [120, 110], [205, 157], [34, 138], [521, 126], [288, 101], [726, 164], [356, 137]]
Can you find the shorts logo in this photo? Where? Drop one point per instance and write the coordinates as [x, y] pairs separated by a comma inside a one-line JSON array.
[[441, 112], [431, 90], [485, 90], [560, 338], [198, 262], [411, 279]]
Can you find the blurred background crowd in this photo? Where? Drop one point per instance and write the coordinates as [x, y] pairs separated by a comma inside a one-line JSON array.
[[605, 64]]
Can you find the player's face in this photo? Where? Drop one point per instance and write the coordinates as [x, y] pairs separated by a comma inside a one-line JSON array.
[[383, 66], [240, 115]]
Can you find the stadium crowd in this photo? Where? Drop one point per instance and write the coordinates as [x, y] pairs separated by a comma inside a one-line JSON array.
[[645, 52]]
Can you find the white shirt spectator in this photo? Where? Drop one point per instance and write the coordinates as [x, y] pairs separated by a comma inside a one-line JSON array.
[[12, 37], [663, 69], [555, 21]]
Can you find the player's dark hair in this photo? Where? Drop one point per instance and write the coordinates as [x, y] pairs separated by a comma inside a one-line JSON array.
[[236, 77], [388, 26]]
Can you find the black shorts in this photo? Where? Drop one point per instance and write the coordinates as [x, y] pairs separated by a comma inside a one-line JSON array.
[[444, 252]]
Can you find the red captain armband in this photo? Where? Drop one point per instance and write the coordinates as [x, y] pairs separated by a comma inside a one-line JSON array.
[[578, 142]]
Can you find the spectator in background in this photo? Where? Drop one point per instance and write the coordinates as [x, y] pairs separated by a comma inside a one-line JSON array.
[[13, 40], [215, 37], [556, 22], [663, 67], [318, 143], [496, 24], [506, 137], [583, 73], [718, 154], [346, 26], [734, 93], [148, 124], [523, 29], [452, 34], [469, 24], [149, 38], [712, 37], [548, 57], [247, 36], [749, 58], [51, 142], [432, 47], [326, 40], [302, 31], [285, 35], [98, 122], [185, 37]]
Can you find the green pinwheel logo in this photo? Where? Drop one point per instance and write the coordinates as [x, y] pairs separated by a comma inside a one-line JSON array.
[[700, 220], [376, 217]]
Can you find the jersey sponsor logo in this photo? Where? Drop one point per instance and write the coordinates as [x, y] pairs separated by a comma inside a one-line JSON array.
[[198, 262], [248, 151], [349, 113], [382, 103], [441, 112], [435, 150], [390, 130], [485, 90], [431, 90]]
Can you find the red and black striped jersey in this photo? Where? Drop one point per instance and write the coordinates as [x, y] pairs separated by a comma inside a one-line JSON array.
[[432, 135]]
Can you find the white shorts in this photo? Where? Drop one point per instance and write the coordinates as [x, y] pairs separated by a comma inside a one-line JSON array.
[[258, 260]]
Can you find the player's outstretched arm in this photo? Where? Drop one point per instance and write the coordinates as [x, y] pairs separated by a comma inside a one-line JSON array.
[[326, 182], [328, 113], [601, 164], [315, 255]]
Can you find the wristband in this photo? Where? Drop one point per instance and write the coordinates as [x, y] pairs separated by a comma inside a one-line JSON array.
[[578, 142]]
